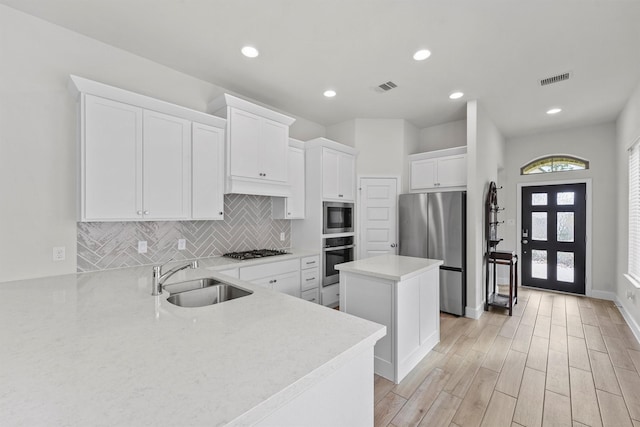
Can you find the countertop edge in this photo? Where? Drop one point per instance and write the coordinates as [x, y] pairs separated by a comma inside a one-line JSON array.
[[278, 400]]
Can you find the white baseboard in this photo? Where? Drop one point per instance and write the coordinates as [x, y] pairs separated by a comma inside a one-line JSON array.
[[606, 295], [635, 328], [474, 313], [611, 296]]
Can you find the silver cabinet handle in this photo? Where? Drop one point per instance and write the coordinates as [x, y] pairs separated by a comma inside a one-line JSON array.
[[310, 262], [139, 212], [340, 195], [393, 245], [146, 212], [308, 280], [220, 213]]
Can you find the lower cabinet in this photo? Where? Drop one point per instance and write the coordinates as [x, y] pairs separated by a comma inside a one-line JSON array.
[[331, 295], [282, 276]]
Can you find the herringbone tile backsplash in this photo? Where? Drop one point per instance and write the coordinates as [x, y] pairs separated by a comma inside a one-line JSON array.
[[247, 225]]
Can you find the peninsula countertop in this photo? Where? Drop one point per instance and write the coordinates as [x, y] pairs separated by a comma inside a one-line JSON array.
[[392, 267], [98, 349]]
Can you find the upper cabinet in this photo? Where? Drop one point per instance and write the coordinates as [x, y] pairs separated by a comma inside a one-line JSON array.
[[141, 159], [257, 147], [338, 175], [442, 169], [292, 207]]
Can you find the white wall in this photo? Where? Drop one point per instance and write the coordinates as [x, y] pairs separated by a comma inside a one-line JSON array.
[[628, 130], [344, 133], [38, 132], [485, 156], [593, 143], [381, 145], [446, 135]]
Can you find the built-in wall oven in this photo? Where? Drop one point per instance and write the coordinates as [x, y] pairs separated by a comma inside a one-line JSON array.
[[336, 250], [337, 217]]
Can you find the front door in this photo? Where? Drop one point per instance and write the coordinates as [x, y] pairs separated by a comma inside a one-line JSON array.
[[554, 237], [378, 212]]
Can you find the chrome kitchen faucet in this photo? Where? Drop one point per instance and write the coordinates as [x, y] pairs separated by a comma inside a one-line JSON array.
[[159, 278]]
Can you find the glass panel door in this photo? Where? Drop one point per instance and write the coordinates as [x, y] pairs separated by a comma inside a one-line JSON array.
[[554, 236]]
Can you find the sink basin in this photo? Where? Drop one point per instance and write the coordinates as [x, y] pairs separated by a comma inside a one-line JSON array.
[[208, 295], [190, 285]]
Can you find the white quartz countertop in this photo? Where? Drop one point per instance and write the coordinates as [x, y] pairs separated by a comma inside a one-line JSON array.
[[97, 349], [392, 267]]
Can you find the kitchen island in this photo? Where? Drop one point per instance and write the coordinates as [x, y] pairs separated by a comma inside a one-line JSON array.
[[98, 349], [402, 293]]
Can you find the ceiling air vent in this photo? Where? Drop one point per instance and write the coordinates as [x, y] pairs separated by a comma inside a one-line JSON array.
[[555, 79], [387, 86]]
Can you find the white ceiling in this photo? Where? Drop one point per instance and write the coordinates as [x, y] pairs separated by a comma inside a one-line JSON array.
[[494, 51]]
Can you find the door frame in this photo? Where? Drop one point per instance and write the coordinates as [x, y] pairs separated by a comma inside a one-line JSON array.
[[359, 201], [589, 224]]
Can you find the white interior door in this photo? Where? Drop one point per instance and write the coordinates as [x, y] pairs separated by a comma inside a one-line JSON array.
[[378, 217]]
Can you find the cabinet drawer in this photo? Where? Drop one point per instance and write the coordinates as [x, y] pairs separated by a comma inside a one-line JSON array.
[[310, 261], [272, 269], [310, 279], [310, 295]]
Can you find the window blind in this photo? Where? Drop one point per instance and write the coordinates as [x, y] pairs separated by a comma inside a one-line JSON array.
[[634, 211]]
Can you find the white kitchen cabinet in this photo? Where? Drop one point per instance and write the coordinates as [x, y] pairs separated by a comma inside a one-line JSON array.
[[135, 157], [281, 276], [207, 190], [331, 295], [111, 161], [292, 207], [439, 169], [257, 142], [310, 278], [135, 163], [166, 166], [338, 175]]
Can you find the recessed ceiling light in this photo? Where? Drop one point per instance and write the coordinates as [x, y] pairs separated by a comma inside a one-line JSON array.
[[421, 55], [456, 95], [329, 93], [250, 51], [554, 111]]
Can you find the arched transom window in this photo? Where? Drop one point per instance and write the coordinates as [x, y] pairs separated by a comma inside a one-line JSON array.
[[557, 163]]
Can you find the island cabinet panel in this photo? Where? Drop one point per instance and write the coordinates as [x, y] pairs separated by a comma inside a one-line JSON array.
[[409, 309], [343, 398], [372, 299]]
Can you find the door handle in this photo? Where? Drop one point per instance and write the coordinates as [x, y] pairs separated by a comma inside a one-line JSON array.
[[393, 245]]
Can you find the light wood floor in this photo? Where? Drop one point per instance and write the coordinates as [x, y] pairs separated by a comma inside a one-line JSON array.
[[561, 360]]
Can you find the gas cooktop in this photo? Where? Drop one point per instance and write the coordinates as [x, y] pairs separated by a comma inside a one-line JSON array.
[[257, 253]]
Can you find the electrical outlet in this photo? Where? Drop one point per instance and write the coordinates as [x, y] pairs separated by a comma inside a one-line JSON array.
[[182, 244], [59, 253], [282, 237], [142, 246]]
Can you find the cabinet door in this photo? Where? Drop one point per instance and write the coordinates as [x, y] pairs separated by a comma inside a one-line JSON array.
[[166, 166], [295, 204], [452, 171], [207, 184], [423, 174], [111, 161], [346, 177], [244, 137], [274, 146], [329, 174], [287, 284]]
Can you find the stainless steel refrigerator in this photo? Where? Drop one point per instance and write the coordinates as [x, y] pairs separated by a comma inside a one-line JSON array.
[[433, 225]]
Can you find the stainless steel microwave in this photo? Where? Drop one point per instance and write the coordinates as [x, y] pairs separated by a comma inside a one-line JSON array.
[[337, 217]]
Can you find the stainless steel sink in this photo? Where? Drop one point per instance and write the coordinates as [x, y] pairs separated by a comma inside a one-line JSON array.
[[215, 293], [190, 285]]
